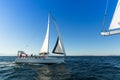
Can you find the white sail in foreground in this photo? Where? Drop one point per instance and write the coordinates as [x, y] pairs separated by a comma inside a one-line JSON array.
[[58, 49], [45, 45], [114, 27], [115, 24]]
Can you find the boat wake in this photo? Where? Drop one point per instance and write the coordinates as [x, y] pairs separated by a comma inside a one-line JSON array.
[[6, 64]]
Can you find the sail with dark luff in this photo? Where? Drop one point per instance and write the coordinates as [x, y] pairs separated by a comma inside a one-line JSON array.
[[58, 49]]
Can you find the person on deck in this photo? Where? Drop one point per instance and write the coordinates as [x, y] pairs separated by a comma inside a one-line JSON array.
[[32, 55], [26, 56], [20, 55]]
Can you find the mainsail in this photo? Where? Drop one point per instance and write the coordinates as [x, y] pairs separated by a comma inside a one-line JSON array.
[[114, 27], [45, 46]]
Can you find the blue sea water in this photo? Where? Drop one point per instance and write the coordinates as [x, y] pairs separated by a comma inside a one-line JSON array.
[[75, 68]]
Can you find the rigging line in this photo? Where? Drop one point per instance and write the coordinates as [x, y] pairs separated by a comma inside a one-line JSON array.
[[55, 25], [105, 16], [27, 45]]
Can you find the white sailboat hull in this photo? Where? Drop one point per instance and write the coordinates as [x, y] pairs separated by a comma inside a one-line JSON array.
[[108, 33], [46, 60]]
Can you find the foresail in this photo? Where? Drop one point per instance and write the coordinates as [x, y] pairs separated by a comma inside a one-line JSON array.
[[115, 23], [45, 45], [58, 49]]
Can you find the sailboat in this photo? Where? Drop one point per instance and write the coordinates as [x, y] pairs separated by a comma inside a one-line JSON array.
[[43, 56], [114, 27]]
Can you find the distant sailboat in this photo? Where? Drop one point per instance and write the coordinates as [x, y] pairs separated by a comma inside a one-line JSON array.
[[114, 27], [44, 52]]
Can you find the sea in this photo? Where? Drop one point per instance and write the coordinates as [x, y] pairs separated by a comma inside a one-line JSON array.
[[75, 68]]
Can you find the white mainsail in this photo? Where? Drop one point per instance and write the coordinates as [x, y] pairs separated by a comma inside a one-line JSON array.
[[115, 24], [45, 46], [114, 27]]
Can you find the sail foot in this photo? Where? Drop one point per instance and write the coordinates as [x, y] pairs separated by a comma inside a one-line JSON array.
[[44, 53], [58, 53], [109, 33]]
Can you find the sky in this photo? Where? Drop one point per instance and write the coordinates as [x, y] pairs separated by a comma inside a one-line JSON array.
[[23, 26]]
